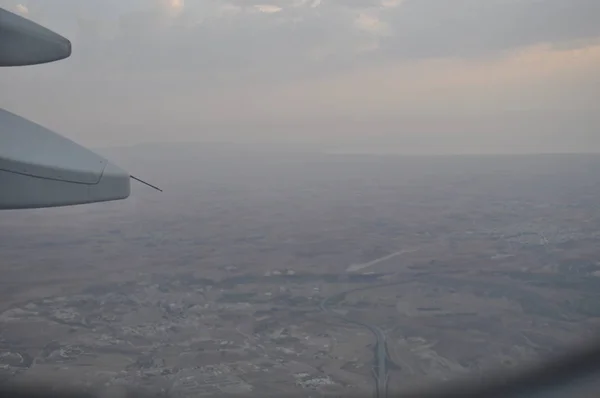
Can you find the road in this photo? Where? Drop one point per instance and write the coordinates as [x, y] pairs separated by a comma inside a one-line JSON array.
[[380, 362], [380, 372], [358, 267]]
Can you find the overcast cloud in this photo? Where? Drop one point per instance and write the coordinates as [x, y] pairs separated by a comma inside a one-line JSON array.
[[415, 74]]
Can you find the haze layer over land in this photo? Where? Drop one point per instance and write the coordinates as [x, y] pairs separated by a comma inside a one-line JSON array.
[[241, 278]]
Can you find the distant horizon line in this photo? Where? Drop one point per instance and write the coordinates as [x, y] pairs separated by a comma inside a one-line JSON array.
[[344, 151]]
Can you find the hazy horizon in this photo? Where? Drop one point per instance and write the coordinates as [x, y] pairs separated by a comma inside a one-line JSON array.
[[412, 76], [341, 149]]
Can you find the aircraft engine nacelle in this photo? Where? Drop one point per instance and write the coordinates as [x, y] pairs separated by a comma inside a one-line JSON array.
[[23, 42]]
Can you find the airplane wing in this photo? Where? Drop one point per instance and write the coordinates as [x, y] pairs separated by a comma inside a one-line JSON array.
[[38, 167]]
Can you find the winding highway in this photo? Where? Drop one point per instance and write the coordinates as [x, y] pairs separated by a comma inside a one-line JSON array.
[[380, 372]]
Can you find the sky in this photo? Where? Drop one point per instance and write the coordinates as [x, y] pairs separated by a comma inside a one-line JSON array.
[[408, 76]]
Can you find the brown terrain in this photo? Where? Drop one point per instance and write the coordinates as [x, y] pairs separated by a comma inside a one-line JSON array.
[[467, 265]]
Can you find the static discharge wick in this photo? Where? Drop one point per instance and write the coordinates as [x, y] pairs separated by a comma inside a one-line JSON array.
[[145, 183]]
